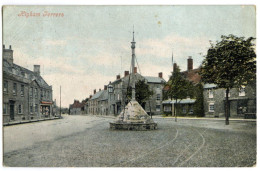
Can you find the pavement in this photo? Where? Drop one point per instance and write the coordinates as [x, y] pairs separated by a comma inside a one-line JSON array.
[[87, 141], [28, 121]]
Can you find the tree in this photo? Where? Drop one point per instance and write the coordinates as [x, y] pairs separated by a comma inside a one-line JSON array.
[[142, 92], [230, 63], [178, 88], [198, 105]]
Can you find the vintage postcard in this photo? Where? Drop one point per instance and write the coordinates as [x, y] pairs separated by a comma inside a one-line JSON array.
[[129, 86]]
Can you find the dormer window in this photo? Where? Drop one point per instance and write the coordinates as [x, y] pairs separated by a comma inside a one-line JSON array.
[[210, 91], [242, 91]]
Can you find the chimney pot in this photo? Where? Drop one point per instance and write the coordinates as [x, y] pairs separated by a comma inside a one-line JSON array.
[[95, 91], [118, 77], [105, 87], [126, 73], [190, 63], [160, 74], [135, 70], [36, 69]]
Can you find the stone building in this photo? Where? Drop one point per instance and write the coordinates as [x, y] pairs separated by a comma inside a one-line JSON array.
[[242, 101], [77, 108], [118, 99], [26, 95]]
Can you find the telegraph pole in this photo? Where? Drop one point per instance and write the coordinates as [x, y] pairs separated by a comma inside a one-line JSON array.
[[60, 101]]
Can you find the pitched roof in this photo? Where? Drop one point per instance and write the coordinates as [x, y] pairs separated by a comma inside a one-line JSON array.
[[154, 79], [104, 95], [179, 101], [97, 95], [192, 75], [206, 86], [77, 104], [23, 73]]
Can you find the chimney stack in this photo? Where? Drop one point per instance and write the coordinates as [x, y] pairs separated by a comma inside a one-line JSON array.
[[126, 73], [135, 70], [118, 77], [8, 55], [94, 91], [190, 63], [36, 69], [175, 67], [100, 89], [105, 87], [90, 96], [10, 47], [160, 74]]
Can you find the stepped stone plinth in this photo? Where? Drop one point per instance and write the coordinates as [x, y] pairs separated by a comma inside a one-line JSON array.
[[133, 117]]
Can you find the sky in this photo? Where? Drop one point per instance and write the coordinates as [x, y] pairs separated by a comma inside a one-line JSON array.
[[89, 45]]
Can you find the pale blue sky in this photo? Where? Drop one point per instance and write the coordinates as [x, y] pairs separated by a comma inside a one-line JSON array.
[[83, 50]]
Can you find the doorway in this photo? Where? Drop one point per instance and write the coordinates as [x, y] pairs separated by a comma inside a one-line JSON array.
[[12, 110]]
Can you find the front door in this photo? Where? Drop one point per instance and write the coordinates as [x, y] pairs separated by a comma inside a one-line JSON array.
[[11, 110]]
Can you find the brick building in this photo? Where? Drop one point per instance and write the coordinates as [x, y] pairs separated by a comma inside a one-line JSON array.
[[184, 106], [26, 95]]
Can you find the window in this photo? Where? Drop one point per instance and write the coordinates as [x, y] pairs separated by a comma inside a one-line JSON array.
[[167, 108], [158, 97], [31, 108], [36, 108], [211, 107], [242, 91], [31, 92], [158, 108], [210, 93], [20, 109], [47, 95], [228, 94], [22, 90], [5, 108], [184, 109], [118, 97], [191, 111], [36, 93], [6, 86], [14, 88]]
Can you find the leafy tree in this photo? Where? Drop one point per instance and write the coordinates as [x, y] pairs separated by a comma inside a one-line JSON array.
[[142, 92], [198, 105], [230, 63], [178, 88]]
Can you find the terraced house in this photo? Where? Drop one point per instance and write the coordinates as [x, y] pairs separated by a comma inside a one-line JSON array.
[[26, 95]]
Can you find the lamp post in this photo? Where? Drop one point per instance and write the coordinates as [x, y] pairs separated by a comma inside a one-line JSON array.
[[110, 91]]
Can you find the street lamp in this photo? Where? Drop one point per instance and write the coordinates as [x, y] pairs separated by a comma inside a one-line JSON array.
[[110, 89]]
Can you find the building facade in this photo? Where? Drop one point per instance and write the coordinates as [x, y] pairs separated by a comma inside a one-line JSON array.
[[26, 95], [242, 101], [77, 108]]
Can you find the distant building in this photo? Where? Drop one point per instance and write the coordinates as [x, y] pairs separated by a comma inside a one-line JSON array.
[[77, 108], [184, 106], [26, 95], [104, 102]]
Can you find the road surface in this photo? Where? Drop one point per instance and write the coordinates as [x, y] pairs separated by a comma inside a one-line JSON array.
[[86, 141]]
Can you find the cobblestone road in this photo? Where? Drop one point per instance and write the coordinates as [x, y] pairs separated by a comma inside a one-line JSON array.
[[86, 141]]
